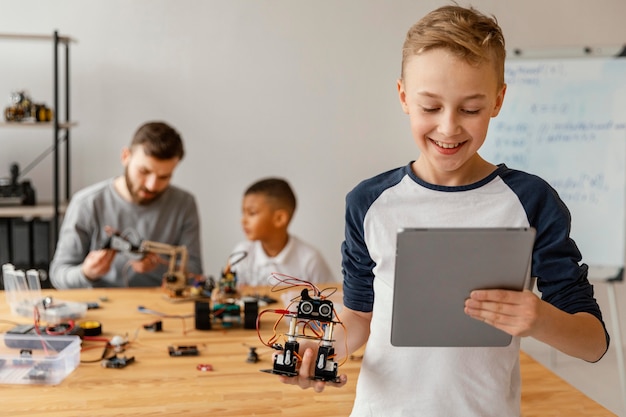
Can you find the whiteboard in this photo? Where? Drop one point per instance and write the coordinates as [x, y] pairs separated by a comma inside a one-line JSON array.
[[565, 120]]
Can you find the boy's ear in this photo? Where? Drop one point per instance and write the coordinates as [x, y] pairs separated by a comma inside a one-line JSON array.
[[402, 96], [499, 101], [281, 218]]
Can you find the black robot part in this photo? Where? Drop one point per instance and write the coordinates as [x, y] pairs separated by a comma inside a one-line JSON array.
[[314, 308], [325, 367]]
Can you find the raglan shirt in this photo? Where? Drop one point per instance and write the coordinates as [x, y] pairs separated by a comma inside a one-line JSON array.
[[424, 381], [172, 219], [298, 259]]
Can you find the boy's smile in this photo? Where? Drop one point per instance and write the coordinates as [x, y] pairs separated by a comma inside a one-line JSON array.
[[450, 103]]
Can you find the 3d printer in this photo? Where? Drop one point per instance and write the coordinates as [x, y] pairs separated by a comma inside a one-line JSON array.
[[14, 193]]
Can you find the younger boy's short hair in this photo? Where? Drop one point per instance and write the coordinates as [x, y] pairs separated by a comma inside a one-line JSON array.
[[277, 189], [465, 32], [159, 140]]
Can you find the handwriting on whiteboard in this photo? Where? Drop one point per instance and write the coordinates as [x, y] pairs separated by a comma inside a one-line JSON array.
[[565, 121]]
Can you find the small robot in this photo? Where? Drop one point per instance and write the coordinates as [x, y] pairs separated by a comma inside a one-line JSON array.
[[316, 314]]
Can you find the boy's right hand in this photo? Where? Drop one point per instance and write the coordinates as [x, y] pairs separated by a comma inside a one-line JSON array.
[[97, 263], [303, 379]]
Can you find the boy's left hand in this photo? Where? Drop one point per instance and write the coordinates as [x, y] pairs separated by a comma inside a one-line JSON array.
[[514, 312]]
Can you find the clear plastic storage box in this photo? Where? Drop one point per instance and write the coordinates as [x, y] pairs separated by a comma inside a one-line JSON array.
[[35, 359], [23, 294]]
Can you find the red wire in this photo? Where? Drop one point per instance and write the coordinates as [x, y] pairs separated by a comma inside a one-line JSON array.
[[273, 338], [291, 282], [38, 330]]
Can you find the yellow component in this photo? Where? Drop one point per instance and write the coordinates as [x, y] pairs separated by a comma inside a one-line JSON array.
[[89, 324], [91, 327]]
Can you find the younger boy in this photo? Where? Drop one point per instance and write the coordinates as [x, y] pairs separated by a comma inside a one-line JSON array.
[[267, 209], [451, 85]]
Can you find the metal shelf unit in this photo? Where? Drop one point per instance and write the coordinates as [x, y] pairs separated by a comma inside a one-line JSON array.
[[60, 128]]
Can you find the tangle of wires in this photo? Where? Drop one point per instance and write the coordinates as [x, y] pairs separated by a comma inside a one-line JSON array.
[[111, 347], [309, 328]]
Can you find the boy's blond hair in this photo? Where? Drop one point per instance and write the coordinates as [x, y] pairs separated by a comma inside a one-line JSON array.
[[467, 33]]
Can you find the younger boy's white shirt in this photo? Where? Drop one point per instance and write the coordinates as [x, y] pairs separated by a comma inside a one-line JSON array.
[[297, 259]]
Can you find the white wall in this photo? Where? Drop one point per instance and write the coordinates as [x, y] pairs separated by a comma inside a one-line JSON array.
[[300, 89]]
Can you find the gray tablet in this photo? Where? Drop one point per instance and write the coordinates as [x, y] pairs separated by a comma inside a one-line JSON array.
[[436, 269]]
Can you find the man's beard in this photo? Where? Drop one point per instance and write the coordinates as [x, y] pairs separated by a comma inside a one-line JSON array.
[[134, 192]]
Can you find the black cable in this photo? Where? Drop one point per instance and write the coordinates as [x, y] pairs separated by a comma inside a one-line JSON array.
[[242, 254]]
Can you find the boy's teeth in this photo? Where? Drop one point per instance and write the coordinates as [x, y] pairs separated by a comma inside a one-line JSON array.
[[447, 145]]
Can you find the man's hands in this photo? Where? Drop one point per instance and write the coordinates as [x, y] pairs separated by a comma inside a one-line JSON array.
[[303, 379], [147, 263], [97, 263]]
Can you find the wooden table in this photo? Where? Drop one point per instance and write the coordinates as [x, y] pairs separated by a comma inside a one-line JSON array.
[[157, 384]]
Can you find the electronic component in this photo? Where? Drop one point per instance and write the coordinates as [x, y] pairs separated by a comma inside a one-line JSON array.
[[227, 285], [118, 243], [117, 362], [286, 361], [315, 314], [24, 329], [118, 342], [253, 357], [156, 326], [65, 329], [204, 367], [250, 313], [203, 315], [191, 350], [91, 327], [227, 313], [25, 358], [325, 366], [39, 372], [267, 299], [314, 308]]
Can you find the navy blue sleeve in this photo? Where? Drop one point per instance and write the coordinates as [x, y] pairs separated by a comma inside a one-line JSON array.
[[357, 264], [561, 278]]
